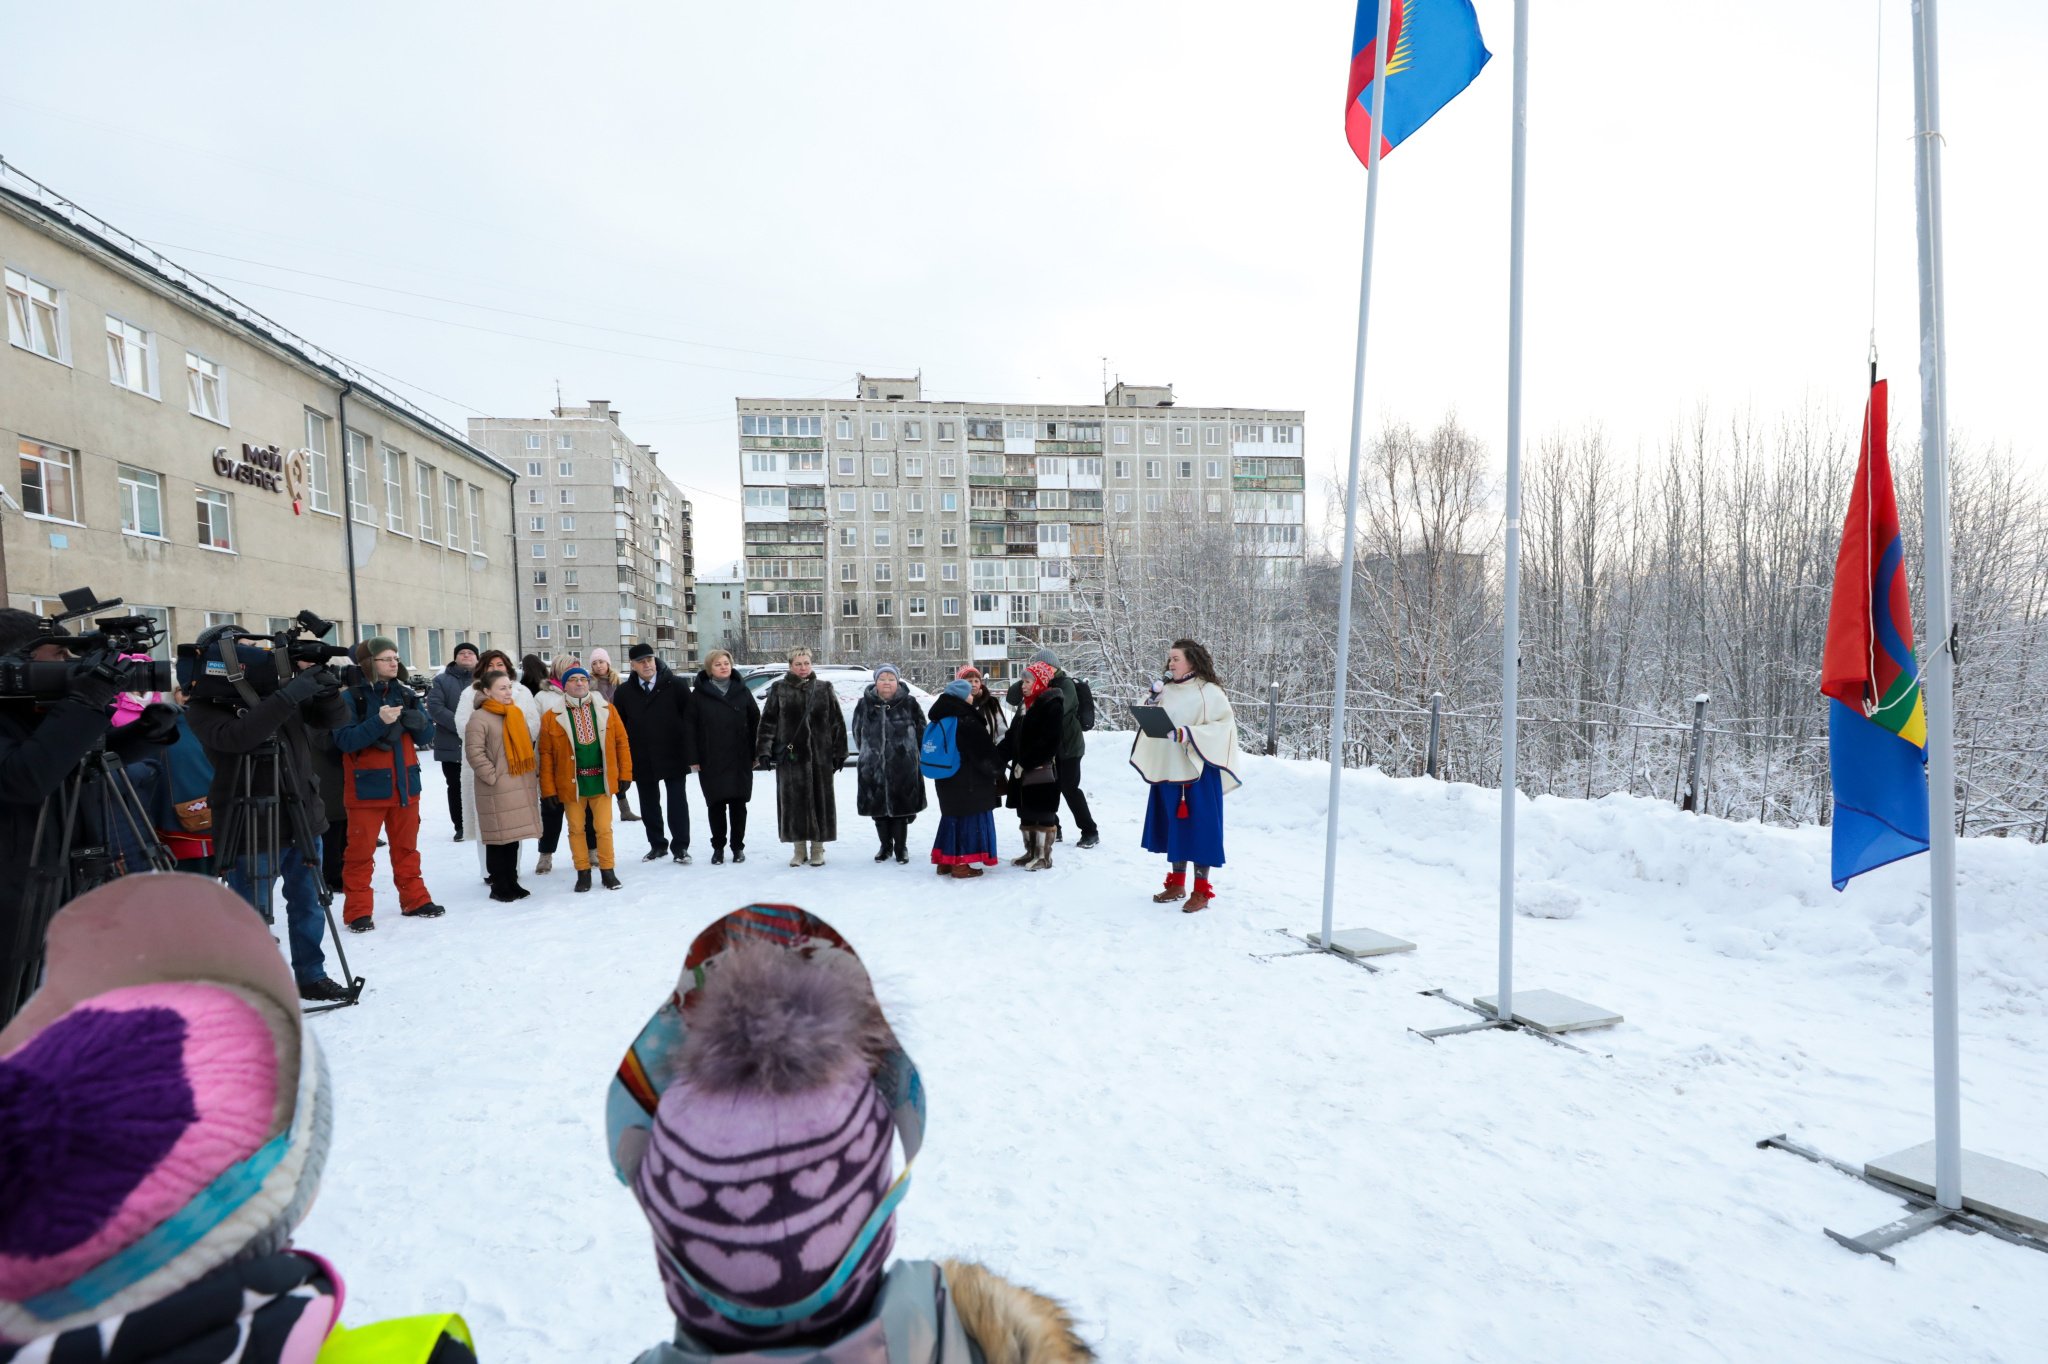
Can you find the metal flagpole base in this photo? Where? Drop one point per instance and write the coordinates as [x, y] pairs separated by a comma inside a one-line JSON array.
[[1547, 1011], [1490, 1021], [1361, 942], [2007, 1184]]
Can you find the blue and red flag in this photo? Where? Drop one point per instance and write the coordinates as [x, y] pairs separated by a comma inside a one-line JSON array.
[[1433, 51], [1877, 724]]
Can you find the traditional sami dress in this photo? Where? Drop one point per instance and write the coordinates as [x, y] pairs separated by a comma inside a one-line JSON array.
[[1189, 777]]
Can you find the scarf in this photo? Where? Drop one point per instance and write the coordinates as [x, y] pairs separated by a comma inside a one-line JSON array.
[[589, 748], [718, 684], [518, 743], [275, 1309]]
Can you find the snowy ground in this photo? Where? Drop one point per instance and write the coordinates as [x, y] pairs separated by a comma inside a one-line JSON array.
[[1214, 1157]]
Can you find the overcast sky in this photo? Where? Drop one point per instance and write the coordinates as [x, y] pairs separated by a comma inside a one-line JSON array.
[[671, 205]]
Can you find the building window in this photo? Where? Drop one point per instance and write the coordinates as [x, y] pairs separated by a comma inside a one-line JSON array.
[[949, 640], [536, 497], [568, 577], [1121, 502], [949, 606], [914, 536], [49, 481], [1183, 435], [216, 519], [1119, 435], [949, 573], [451, 497], [849, 502], [847, 464], [1215, 503], [435, 640], [914, 606], [394, 489], [917, 571], [1155, 468], [204, 388], [991, 638], [568, 523], [881, 537], [946, 466], [1052, 499], [849, 537], [1120, 468], [843, 428], [1215, 468], [423, 491], [565, 442], [1154, 501], [405, 646], [131, 357], [533, 442], [316, 462], [565, 469], [1088, 466], [879, 501], [913, 430], [540, 577], [849, 572], [877, 429], [533, 468], [542, 630], [356, 454], [572, 630], [569, 550], [1212, 435], [142, 502], [878, 467], [567, 496], [540, 606], [949, 502], [538, 525], [849, 606], [884, 572], [35, 316], [214, 618], [949, 538], [946, 431], [1151, 435], [913, 466], [540, 549], [1185, 468], [476, 519], [1284, 435]]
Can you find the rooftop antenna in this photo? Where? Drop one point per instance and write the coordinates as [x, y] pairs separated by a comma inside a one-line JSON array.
[[558, 397]]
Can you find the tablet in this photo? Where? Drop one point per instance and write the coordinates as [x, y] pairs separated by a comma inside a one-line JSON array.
[[1153, 720]]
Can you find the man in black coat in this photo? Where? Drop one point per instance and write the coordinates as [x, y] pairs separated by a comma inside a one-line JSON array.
[[444, 694], [231, 730], [1073, 744], [655, 704], [40, 745]]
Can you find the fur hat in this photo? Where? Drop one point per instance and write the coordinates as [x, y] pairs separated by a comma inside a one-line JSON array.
[[378, 644], [1037, 677], [889, 668], [162, 1113], [752, 1118], [641, 650]]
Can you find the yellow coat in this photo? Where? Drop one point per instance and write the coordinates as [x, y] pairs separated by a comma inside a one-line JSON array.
[[558, 750]]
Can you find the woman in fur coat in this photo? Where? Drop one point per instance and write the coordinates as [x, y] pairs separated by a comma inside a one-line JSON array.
[[1190, 771], [788, 1073], [889, 724], [803, 737], [492, 660], [1032, 749]]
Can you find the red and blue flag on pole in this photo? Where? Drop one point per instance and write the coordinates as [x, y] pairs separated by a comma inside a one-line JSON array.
[[1877, 723], [1433, 51]]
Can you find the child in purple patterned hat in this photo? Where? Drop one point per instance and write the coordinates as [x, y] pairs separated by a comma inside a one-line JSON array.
[[755, 1120]]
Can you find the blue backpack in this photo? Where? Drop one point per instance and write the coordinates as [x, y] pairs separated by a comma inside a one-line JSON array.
[[939, 757]]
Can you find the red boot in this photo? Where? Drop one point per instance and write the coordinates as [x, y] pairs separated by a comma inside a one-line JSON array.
[[1204, 893], [1176, 888]]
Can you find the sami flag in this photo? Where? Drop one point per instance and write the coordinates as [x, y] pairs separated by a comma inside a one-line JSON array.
[[1877, 725], [1434, 51]]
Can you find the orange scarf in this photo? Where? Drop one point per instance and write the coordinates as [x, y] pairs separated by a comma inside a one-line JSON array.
[[518, 743]]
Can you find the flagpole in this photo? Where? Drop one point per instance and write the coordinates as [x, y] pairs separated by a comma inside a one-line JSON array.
[[1511, 589], [1937, 683], [1372, 200]]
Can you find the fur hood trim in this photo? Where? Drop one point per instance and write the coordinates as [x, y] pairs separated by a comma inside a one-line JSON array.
[[1012, 1325]]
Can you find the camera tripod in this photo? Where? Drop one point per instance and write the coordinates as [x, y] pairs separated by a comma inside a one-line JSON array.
[[260, 823], [61, 867]]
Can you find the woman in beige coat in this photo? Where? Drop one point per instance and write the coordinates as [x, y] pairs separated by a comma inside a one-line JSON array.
[[499, 748]]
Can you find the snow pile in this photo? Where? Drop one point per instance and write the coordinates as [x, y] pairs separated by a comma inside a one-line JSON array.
[[1215, 1153]]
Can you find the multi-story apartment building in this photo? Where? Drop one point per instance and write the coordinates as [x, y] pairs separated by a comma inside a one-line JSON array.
[[930, 532], [604, 537], [721, 608], [179, 450]]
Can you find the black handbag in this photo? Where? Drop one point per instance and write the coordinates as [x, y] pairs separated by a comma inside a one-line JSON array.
[[1045, 774]]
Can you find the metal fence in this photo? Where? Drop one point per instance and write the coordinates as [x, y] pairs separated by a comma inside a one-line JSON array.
[[1724, 768]]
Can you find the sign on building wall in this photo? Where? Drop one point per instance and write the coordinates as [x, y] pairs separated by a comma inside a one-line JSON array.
[[266, 467]]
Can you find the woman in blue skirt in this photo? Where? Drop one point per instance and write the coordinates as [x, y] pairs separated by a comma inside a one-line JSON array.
[[966, 840], [1190, 771]]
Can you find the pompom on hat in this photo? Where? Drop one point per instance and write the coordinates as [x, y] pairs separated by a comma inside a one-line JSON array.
[[162, 1112], [1037, 677], [751, 1119]]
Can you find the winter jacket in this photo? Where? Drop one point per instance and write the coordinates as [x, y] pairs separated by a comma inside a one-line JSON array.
[[1034, 740], [948, 1312], [1203, 711], [529, 706], [443, 696], [658, 724], [803, 733], [888, 735], [1073, 739], [37, 751], [228, 728], [723, 732], [971, 790], [507, 806], [382, 761], [558, 750]]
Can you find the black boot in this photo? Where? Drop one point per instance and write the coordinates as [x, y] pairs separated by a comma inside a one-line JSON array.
[[610, 878], [583, 880], [902, 838], [883, 832], [717, 857]]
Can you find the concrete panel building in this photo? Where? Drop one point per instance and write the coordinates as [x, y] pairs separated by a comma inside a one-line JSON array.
[[932, 532], [722, 608], [178, 450], [604, 536]]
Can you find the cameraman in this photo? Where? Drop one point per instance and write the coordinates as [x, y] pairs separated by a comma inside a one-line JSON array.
[[228, 728], [40, 746]]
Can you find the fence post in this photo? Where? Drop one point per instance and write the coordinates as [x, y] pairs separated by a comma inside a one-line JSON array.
[[1969, 749], [1699, 741], [1436, 716], [1273, 720]]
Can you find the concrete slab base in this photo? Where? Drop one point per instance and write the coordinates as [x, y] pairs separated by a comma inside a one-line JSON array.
[[1362, 942], [1997, 1188], [1551, 1012]]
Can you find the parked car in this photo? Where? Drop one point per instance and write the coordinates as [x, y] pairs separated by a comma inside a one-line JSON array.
[[847, 684]]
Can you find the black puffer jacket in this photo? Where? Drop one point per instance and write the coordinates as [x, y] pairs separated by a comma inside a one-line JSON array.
[[1033, 741], [889, 734], [971, 790], [657, 724], [228, 728], [723, 732]]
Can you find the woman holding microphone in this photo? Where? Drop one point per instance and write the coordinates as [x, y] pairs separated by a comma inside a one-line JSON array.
[[1190, 770]]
